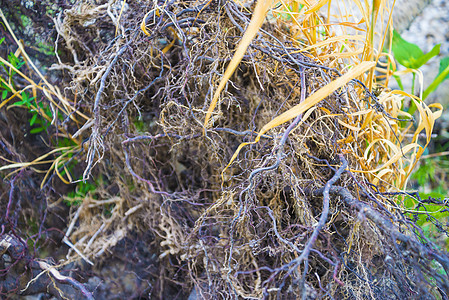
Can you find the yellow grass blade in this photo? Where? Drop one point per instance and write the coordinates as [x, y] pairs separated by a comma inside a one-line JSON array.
[[378, 177], [351, 127], [343, 38], [308, 103], [55, 166], [47, 93], [398, 155], [119, 16], [15, 93], [53, 90], [316, 6], [254, 25], [143, 25], [317, 97], [37, 161]]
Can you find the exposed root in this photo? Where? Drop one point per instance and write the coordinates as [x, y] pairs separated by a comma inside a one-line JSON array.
[[312, 210]]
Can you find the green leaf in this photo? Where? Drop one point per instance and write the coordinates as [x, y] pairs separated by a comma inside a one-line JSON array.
[[13, 59], [410, 55], [442, 76], [3, 86], [425, 172], [4, 94], [27, 99], [33, 119], [1, 40], [20, 64], [19, 103], [399, 81], [444, 63], [37, 130]]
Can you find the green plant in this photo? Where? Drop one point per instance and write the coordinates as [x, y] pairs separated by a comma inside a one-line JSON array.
[[141, 126], [7, 84], [41, 116], [37, 110], [412, 57], [431, 173], [76, 197], [40, 113], [86, 189]]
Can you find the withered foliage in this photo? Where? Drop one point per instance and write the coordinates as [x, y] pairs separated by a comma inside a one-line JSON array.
[[294, 216]]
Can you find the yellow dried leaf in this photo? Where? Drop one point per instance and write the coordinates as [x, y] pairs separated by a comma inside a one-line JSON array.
[[308, 103], [254, 25]]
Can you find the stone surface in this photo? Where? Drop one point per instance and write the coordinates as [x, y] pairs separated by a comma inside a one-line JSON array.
[[429, 28]]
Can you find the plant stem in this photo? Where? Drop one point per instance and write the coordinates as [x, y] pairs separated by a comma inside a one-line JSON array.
[[435, 83]]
